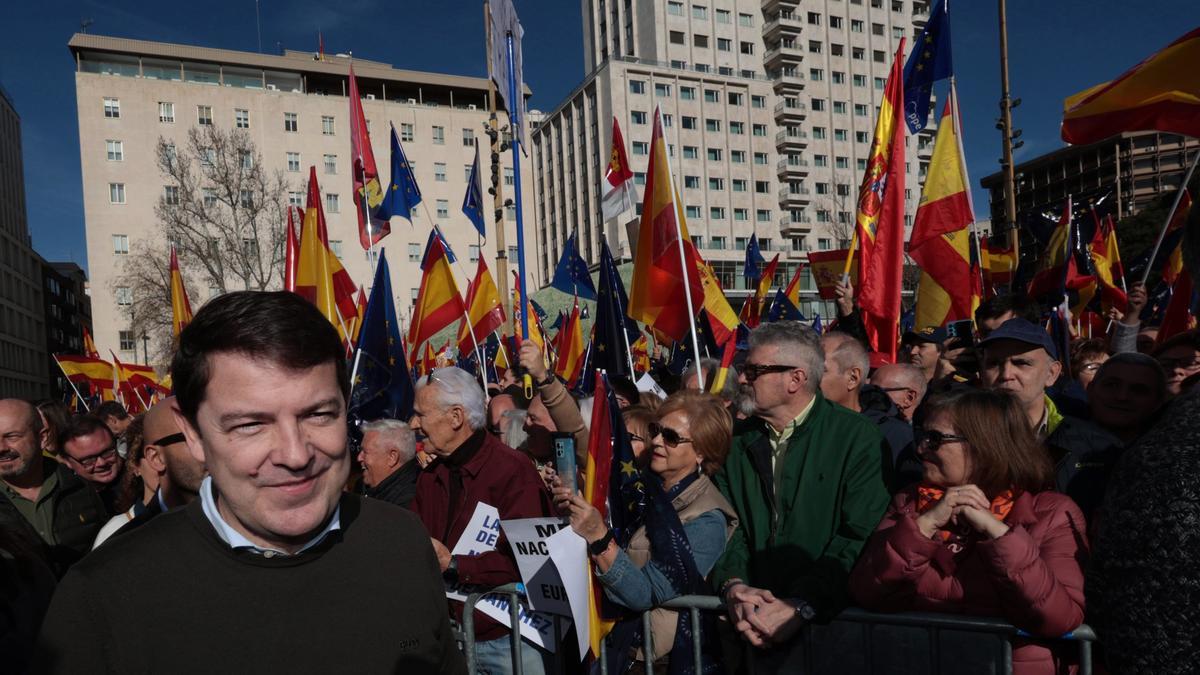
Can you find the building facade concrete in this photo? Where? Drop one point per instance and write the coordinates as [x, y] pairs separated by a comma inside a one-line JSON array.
[[294, 107], [68, 311], [22, 326], [769, 110]]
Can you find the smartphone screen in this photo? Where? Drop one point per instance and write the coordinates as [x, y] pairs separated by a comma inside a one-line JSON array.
[[564, 460]]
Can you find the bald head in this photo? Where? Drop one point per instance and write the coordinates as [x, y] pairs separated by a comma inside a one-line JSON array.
[[166, 453], [159, 422], [904, 383], [21, 434]]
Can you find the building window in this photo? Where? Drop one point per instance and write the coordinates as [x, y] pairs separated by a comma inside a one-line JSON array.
[[331, 203], [739, 184], [821, 160], [818, 104], [687, 93], [692, 212], [125, 338], [439, 172], [662, 90], [406, 132], [860, 80], [841, 162], [839, 77], [818, 133], [858, 54], [700, 41], [711, 124], [443, 208], [247, 159], [746, 47], [816, 74], [836, 49], [688, 122], [839, 107], [741, 215], [241, 118], [473, 252], [295, 198], [166, 112], [691, 152], [835, 22], [468, 138], [716, 213], [861, 137], [763, 215], [716, 183], [745, 19], [815, 47], [112, 108], [508, 176], [714, 154], [327, 125], [699, 12], [760, 158], [675, 8], [691, 182], [860, 110], [724, 45], [210, 198], [116, 193], [814, 19], [738, 156], [878, 56], [877, 29], [856, 26], [637, 116], [712, 96], [736, 98], [414, 253], [171, 194], [330, 164], [677, 38], [247, 200], [880, 83], [760, 130], [293, 161], [115, 150], [120, 244], [204, 115], [641, 148], [840, 134], [762, 187], [290, 122], [439, 135], [737, 128]]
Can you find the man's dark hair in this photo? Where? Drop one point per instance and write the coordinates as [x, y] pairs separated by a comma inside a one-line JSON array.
[[996, 306], [112, 409], [82, 425], [280, 327]]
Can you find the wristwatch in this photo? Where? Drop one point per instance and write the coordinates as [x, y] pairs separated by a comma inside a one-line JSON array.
[[547, 381], [450, 576], [804, 610], [600, 545]]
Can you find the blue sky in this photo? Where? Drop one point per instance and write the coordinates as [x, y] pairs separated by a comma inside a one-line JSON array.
[[1056, 48]]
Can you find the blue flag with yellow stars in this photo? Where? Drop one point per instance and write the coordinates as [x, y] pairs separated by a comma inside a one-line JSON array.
[[612, 332], [929, 62], [437, 232], [754, 260], [473, 201], [402, 195], [383, 385], [626, 488], [571, 276], [782, 309]]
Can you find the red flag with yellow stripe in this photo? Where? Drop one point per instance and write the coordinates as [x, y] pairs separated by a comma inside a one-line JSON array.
[[570, 349], [181, 308], [438, 302]]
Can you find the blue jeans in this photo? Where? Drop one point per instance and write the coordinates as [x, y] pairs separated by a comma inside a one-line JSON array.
[[494, 657]]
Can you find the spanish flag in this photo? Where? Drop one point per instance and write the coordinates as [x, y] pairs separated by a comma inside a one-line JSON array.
[[941, 241], [438, 302], [999, 264], [602, 435], [535, 323], [1174, 264], [1106, 261], [1161, 93], [320, 277], [721, 318], [181, 309], [751, 313], [827, 268], [89, 345], [1051, 273], [570, 349], [661, 276], [365, 174], [88, 370], [880, 221], [291, 251], [484, 310]]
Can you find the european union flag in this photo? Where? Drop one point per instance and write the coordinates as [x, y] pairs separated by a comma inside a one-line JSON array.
[[612, 331], [571, 276], [383, 386], [402, 195], [928, 62], [473, 202], [817, 326], [782, 309], [626, 488], [754, 260]]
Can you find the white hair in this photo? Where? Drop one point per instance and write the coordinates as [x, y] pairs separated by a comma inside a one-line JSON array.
[[800, 340], [455, 386], [396, 433]]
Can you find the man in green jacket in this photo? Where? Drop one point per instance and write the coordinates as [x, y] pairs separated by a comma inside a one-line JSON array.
[[807, 479]]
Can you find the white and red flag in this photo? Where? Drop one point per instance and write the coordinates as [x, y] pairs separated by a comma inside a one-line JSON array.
[[619, 195]]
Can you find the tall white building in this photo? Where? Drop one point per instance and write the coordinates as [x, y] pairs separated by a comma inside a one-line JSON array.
[[132, 92], [769, 110]]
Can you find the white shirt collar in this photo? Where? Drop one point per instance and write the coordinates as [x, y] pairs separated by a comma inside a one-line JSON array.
[[236, 540]]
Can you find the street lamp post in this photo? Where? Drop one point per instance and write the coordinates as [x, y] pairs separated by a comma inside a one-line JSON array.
[[145, 348]]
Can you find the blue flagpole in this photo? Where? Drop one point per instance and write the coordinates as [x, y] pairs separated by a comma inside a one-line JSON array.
[[513, 120]]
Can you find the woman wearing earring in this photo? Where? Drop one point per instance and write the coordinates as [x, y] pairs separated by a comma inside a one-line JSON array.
[[686, 525], [982, 534]]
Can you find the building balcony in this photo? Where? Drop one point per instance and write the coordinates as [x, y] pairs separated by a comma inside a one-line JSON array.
[[785, 112], [786, 138], [782, 25], [783, 55], [789, 198], [787, 80], [772, 7], [789, 227]]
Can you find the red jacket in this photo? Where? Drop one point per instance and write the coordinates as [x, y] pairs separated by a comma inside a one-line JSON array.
[[1032, 576], [495, 475]]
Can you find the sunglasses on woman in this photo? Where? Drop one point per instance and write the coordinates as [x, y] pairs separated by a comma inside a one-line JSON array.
[[934, 439], [669, 435]]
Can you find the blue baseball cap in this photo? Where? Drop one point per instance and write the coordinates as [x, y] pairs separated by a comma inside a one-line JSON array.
[[934, 334], [1022, 330]]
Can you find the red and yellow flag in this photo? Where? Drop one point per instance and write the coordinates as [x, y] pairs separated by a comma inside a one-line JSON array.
[[1052, 268], [751, 313], [596, 492], [721, 318], [535, 324], [1174, 265], [89, 345], [827, 271], [1161, 93], [181, 308], [640, 351], [365, 173], [484, 310], [438, 302], [570, 349], [320, 277], [1106, 259], [88, 370], [291, 251], [880, 220], [999, 265], [941, 240], [661, 277]]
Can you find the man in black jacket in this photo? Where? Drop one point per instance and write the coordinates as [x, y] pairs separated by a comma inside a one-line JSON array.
[[40, 496], [388, 459], [274, 568]]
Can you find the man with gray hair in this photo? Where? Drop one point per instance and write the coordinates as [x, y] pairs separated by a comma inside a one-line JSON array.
[[806, 479], [904, 383], [472, 467], [388, 460]]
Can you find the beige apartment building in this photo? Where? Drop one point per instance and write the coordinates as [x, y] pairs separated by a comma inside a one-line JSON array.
[[295, 108], [22, 321], [769, 108]]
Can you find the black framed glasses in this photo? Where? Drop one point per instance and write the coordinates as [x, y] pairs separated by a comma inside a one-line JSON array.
[[669, 435], [171, 439], [753, 371], [929, 438], [891, 389], [90, 462]]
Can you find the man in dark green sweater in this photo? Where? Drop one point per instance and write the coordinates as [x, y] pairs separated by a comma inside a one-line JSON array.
[[807, 479], [274, 568]]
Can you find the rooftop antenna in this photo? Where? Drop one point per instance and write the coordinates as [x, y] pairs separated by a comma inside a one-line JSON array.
[[84, 23], [258, 25]]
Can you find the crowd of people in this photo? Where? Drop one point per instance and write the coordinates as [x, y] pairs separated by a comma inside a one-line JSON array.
[[236, 526]]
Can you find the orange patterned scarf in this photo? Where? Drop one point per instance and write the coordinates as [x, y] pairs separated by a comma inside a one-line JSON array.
[[958, 538]]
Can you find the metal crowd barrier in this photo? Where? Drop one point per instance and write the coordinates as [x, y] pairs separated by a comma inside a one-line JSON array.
[[857, 641]]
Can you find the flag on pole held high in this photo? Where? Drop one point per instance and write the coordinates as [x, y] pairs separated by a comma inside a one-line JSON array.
[[1161, 93], [484, 310], [291, 251], [754, 259], [1173, 242], [612, 331], [570, 349], [880, 221], [929, 62], [402, 195], [383, 385], [320, 277], [571, 275], [1106, 262], [1051, 274], [89, 345], [660, 276], [722, 320], [438, 303], [181, 309], [365, 174], [472, 205], [504, 22], [618, 194], [786, 306], [941, 241], [751, 313]]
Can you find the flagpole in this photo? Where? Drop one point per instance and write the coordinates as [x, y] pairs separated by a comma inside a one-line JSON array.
[[1162, 234], [76, 389], [956, 120], [687, 292], [513, 120]]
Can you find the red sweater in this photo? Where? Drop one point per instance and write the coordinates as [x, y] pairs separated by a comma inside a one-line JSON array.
[[1031, 576], [496, 475]]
